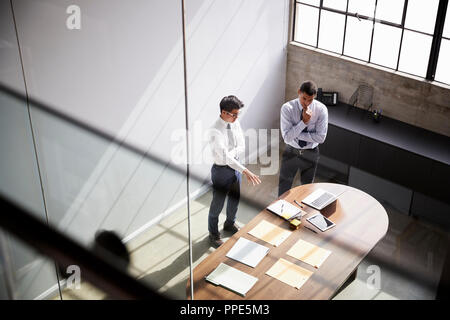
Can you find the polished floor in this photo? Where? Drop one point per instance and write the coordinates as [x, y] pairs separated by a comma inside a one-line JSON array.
[[406, 264]]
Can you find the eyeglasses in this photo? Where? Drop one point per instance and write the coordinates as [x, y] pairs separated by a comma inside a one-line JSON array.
[[234, 115]]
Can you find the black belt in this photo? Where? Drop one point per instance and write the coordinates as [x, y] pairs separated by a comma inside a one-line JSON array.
[[219, 166], [300, 151]]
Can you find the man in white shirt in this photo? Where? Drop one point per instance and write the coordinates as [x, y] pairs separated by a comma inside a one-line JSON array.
[[304, 125], [228, 148]]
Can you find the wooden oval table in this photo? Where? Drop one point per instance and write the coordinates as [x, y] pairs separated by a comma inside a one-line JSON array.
[[361, 222]]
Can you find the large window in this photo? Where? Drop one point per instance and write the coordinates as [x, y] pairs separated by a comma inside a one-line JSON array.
[[412, 36]]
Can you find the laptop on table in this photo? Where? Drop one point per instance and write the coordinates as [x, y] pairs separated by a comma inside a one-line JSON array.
[[320, 198]]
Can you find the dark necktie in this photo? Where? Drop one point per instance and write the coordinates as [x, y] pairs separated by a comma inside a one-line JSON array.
[[301, 143]]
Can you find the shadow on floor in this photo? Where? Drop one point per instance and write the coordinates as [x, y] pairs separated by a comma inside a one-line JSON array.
[[159, 279]]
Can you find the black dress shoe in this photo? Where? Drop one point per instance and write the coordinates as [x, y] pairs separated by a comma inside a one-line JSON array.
[[232, 228], [214, 240]]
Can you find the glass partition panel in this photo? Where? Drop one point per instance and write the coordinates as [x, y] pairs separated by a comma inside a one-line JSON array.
[[132, 194], [28, 275], [234, 48], [24, 273], [105, 113]]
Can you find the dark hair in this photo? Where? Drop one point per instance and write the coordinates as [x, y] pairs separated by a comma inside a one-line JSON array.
[[105, 242], [230, 103], [308, 87], [111, 242]]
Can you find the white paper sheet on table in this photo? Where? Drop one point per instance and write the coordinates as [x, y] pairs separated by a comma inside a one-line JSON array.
[[289, 273], [232, 279], [309, 253], [270, 233], [247, 252]]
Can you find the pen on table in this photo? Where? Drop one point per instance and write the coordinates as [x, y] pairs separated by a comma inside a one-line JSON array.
[[310, 229], [282, 205], [295, 216], [301, 206]]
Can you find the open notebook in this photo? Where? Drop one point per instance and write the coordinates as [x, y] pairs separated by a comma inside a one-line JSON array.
[[285, 209], [232, 279]]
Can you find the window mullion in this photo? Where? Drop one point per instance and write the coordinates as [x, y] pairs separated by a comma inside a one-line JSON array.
[[437, 37], [318, 23], [373, 30], [345, 28], [293, 21], [405, 9]]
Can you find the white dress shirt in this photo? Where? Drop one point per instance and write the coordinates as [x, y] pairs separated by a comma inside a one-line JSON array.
[[223, 152], [293, 128]]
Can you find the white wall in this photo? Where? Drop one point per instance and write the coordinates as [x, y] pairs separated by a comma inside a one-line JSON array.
[[122, 72], [237, 47]]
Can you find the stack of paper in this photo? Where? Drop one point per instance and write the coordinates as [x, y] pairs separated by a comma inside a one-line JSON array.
[[309, 253], [247, 252], [270, 233], [289, 273], [232, 279], [285, 209]]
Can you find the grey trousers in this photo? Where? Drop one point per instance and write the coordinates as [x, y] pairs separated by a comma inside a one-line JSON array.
[[293, 159]]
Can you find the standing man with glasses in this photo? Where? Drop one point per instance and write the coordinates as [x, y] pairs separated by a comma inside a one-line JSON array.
[[304, 125], [228, 147]]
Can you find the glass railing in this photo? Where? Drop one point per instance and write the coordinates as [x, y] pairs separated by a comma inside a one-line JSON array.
[[101, 271], [88, 185]]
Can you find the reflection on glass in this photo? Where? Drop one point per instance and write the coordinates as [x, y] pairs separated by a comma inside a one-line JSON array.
[[357, 38], [362, 7], [106, 186], [421, 15], [306, 25], [331, 33], [443, 66], [385, 46], [25, 274], [390, 10], [415, 53], [336, 4]]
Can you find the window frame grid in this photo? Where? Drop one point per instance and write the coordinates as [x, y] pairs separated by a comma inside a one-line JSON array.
[[437, 36]]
